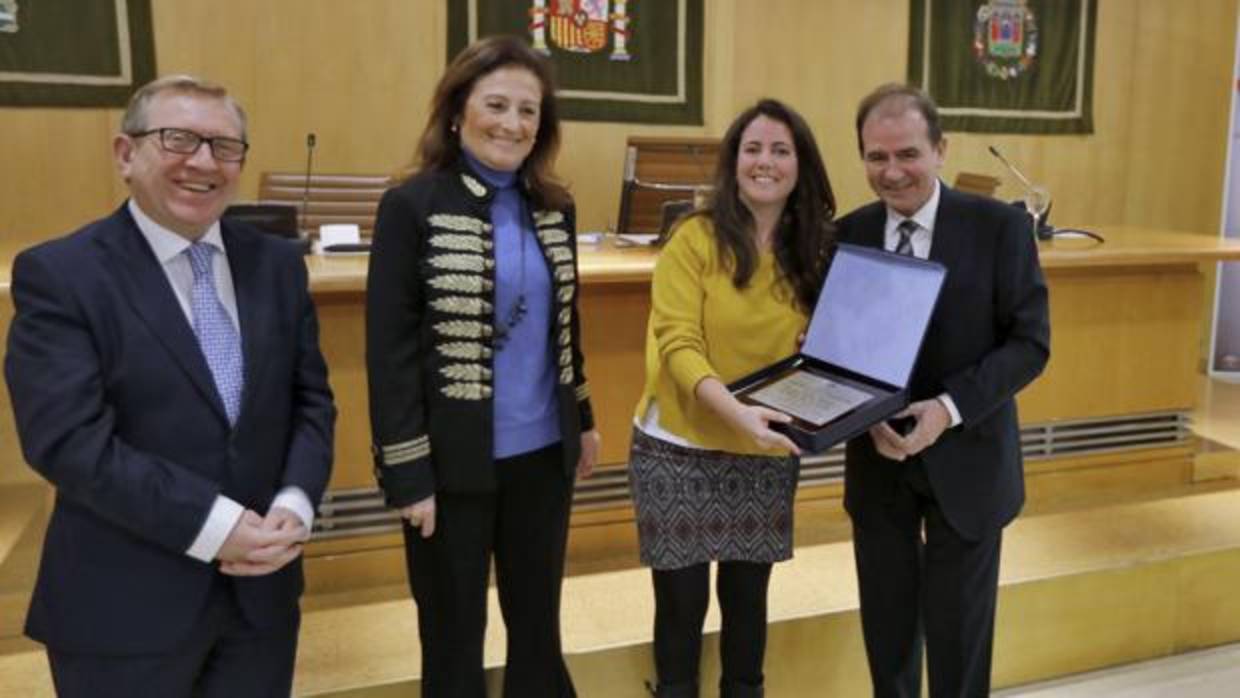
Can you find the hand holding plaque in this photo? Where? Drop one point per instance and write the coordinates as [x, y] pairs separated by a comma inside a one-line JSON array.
[[859, 350]]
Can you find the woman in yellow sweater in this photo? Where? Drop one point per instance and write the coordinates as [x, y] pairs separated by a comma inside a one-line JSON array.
[[733, 289]]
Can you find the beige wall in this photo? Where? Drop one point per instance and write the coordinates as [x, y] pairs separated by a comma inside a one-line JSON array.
[[359, 75]]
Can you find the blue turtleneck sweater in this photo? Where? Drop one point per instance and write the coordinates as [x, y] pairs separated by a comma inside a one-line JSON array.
[[525, 410]]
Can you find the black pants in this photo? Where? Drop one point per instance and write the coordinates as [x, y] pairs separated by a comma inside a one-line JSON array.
[[939, 589], [224, 657], [524, 524], [681, 597]]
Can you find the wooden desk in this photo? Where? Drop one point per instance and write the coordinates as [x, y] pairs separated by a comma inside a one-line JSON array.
[[1125, 329]]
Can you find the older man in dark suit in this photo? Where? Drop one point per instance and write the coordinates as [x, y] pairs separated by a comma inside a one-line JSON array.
[[930, 493], [166, 378]]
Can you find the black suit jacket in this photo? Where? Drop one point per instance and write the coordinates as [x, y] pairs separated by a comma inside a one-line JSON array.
[[116, 407], [988, 338]]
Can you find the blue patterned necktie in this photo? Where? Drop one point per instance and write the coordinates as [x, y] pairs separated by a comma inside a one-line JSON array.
[[906, 228], [218, 338]]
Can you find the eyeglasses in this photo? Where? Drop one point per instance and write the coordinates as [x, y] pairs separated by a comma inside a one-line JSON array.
[[183, 142]]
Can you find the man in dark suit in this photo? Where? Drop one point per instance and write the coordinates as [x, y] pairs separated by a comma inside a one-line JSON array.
[[166, 378], [930, 492]]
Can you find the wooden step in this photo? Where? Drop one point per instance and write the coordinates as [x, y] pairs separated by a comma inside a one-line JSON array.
[[1080, 590]]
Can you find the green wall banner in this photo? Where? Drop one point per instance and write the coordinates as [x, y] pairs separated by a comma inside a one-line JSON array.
[[1006, 66], [615, 60], [74, 53]]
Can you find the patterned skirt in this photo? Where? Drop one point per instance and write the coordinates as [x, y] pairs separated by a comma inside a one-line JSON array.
[[695, 505]]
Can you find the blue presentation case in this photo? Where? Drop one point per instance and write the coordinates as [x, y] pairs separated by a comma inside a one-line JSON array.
[[866, 333]]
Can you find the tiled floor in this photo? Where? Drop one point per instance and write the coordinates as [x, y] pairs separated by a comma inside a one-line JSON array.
[[1212, 673]]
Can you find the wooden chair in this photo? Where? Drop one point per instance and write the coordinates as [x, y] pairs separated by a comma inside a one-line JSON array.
[[661, 171], [975, 183], [330, 198]]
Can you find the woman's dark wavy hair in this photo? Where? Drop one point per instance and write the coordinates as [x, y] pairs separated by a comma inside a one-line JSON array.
[[440, 146], [805, 232]]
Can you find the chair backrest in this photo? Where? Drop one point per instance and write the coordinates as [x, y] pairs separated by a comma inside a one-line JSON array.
[[976, 183], [659, 170], [330, 198]]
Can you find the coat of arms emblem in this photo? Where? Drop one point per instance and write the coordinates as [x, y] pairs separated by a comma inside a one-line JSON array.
[[1005, 38], [581, 26], [8, 16]]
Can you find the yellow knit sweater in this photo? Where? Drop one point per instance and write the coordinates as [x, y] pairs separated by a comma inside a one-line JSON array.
[[701, 325]]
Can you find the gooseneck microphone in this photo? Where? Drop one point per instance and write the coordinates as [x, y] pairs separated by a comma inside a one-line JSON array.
[[1038, 204], [1011, 168], [305, 193], [1037, 199], [628, 184]]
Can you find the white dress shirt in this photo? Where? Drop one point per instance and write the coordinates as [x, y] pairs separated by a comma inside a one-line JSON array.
[[921, 240], [169, 249]]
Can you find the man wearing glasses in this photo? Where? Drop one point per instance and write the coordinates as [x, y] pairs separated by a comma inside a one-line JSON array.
[[166, 378]]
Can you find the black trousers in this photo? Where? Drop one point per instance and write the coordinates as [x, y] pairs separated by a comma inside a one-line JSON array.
[[936, 589], [681, 599], [224, 657], [524, 525]]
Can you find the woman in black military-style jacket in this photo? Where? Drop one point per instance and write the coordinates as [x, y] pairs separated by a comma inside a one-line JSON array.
[[475, 255]]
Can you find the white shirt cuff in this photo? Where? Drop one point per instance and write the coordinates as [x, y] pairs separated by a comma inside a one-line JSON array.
[[224, 515], [951, 409], [296, 501]]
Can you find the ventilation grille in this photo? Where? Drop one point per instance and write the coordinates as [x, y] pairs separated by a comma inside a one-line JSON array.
[[362, 511], [1091, 436], [356, 512]]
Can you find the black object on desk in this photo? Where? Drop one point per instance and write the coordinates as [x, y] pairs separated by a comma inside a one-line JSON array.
[[347, 247]]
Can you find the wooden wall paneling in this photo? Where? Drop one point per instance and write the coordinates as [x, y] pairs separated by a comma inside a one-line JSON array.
[[1182, 76], [820, 58], [58, 173]]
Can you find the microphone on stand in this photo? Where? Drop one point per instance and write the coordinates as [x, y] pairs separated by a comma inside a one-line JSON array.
[[626, 190], [1039, 206], [1037, 202], [354, 246], [305, 193]]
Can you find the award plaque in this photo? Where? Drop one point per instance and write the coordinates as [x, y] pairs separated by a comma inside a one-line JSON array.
[[809, 396], [859, 351]]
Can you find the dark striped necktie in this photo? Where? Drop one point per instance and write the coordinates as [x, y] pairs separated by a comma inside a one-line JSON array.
[[906, 228]]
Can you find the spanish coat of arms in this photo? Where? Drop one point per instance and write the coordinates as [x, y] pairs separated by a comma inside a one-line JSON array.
[[8, 16], [1005, 38], [581, 26]]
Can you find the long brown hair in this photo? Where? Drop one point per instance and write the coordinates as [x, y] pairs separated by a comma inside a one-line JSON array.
[[440, 147], [805, 231]]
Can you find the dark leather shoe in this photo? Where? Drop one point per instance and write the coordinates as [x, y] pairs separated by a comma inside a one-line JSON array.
[[736, 689], [673, 690]]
